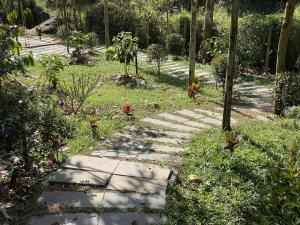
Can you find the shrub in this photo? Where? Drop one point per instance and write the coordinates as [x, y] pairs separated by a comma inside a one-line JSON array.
[[28, 121], [79, 40], [297, 64], [92, 40], [175, 44], [52, 65], [147, 25], [212, 47], [287, 91], [157, 54], [180, 24], [293, 112], [126, 48], [219, 67], [10, 62], [110, 53], [61, 32], [74, 96]]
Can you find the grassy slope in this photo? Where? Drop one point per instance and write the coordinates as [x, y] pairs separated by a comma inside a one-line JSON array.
[[232, 188], [166, 92]]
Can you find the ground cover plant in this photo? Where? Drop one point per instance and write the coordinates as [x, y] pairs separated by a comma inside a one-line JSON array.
[[258, 182]]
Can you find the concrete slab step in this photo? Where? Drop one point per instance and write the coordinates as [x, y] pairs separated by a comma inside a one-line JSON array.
[[137, 184], [70, 176], [170, 125], [158, 132], [129, 154], [116, 200], [115, 144]]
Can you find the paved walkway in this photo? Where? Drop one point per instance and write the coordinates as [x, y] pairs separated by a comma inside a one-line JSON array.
[[131, 174], [126, 182], [48, 45], [253, 95]]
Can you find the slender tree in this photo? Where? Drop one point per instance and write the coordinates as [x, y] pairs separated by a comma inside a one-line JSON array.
[[209, 18], [284, 35], [230, 65], [106, 24], [193, 36]]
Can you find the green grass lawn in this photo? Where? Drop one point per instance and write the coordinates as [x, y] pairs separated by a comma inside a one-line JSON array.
[[162, 93], [234, 187]]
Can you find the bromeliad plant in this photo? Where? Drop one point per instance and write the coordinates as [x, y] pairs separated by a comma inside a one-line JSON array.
[[128, 109], [126, 49], [231, 141], [93, 125], [193, 90]]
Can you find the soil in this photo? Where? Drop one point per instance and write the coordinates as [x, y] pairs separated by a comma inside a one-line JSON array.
[[129, 80]]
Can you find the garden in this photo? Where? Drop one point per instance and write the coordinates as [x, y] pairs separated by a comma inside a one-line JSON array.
[[149, 112]]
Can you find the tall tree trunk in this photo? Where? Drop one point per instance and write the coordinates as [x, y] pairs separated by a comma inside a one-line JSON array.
[[269, 43], [230, 65], [193, 36], [209, 18], [106, 24], [66, 21], [284, 35]]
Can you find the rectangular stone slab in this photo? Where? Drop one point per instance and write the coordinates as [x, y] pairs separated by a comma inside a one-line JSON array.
[[170, 116], [130, 219], [147, 138], [210, 113], [66, 219], [133, 200], [70, 176], [90, 163], [73, 199], [211, 121], [157, 157], [189, 113], [137, 184], [116, 154], [134, 169], [131, 154], [158, 132], [170, 125], [198, 125], [143, 146]]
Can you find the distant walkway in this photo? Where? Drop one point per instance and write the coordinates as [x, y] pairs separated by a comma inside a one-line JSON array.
[[47, 45], [253, 95]]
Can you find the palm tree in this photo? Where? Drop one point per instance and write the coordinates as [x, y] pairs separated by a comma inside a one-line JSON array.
[[193, 36], [230, 65]]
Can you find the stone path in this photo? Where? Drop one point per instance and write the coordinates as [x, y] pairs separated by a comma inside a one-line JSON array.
[[48, 45], [125, 182], [131, 173], [256, 96]]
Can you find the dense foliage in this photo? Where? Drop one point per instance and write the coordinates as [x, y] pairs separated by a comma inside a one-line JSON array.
[[10, 62], [287, 91]]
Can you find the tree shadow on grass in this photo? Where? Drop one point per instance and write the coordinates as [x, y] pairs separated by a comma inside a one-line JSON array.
[[166, 78]]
